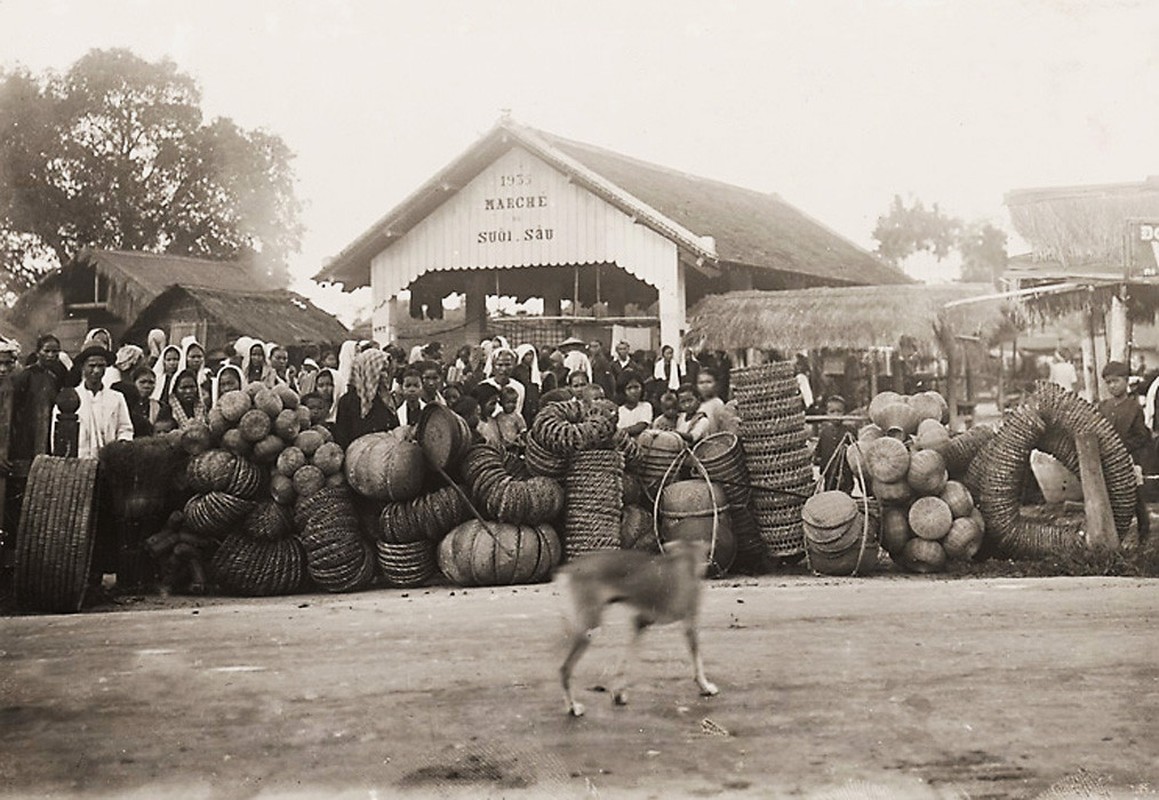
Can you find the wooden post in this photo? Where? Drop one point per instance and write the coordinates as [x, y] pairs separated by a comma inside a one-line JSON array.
[[1090, 361], [872, 374], [5, 431], [1100, 524], [66, 427], [1001, 390]]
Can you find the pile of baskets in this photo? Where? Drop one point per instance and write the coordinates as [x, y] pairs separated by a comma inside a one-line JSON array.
[[773, 432], [723, 459]]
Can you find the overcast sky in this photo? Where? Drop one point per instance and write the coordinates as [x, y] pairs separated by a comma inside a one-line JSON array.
[[836, 106]]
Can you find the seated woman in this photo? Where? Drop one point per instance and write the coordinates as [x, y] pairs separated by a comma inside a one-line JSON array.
[[693, 424], [635, 413], [228, 379], [367, 406]]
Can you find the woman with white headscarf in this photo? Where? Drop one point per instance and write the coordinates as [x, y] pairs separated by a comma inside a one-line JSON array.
[[254, 367], [367, 405], [526, 371], [166, 369], [228, 379], [156, 340], [346, 354]]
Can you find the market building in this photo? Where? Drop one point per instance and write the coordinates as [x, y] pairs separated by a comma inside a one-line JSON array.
[[524, 213]]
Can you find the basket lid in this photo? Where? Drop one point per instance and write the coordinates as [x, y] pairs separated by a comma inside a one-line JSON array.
[[829, 509]]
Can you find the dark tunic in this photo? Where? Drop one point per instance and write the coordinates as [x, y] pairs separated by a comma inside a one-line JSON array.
[[350, 424], [34, 392], [1126, 417], [138, 408]]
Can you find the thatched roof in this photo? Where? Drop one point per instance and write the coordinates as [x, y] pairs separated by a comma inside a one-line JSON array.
[[709, 221], [136, 279], [276, 316], [1080, 226], [844, 317]]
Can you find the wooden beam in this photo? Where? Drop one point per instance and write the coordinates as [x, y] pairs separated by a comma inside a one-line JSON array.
[[1100, 524]]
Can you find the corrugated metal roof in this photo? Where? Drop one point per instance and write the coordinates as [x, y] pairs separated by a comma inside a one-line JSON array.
[[708, 220]]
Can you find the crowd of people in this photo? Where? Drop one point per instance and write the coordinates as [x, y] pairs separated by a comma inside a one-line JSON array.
[[127, 390]]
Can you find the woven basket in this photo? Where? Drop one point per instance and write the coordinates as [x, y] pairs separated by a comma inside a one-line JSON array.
[[593, 508], [769, 408], [781, 469], [54, 543], [269, 521], [782, 540], [774, 444], [251, 567], [762, 373], [337, 559], [541, 461], [428, 517], [407, 565], [771, 427]]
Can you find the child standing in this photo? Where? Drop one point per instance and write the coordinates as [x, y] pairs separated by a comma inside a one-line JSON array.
[[1126, 417], [511, 424]]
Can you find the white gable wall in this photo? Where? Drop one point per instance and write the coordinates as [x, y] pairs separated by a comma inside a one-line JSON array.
[[521, 212]]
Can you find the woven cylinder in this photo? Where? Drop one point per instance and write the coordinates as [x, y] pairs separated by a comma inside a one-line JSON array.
[[407, 565], [593, 507], [54, 543], [256, 568], [337, 558]]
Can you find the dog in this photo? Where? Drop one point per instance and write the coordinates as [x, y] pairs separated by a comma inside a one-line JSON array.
[[661, 589]]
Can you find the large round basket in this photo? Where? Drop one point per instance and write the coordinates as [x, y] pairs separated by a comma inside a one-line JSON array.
[[258, 568], [444, 437], [54, 543]]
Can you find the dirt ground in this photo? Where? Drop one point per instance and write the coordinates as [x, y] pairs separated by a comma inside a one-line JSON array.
[[872, 688]]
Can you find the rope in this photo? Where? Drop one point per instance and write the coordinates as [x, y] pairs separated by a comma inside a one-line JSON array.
[[677, 462]]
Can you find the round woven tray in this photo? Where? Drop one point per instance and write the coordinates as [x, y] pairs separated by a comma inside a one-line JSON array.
[[762, 373], [770, 407], [54, 543], [255, 568], [767, 391], [407, 565]]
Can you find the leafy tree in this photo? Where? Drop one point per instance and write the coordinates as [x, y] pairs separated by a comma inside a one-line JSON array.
[[983, 249], [906, 230], [115, 153]]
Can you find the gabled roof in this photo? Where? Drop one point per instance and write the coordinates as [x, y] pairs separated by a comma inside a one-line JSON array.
[[709, 221], [153, 273], [277, 316]]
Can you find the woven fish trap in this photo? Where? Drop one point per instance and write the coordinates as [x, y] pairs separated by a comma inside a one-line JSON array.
[[269, 520], [407, 565], [54, 542], [337, 558], [427, 517], [762, 373], [258, 568]]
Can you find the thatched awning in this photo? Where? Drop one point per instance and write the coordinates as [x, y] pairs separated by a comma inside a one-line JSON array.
[[1080, 226], [846, 317]]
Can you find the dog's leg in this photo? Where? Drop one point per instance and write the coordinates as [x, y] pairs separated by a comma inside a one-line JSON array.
[[579, 644], [707, 688], [640, 624]]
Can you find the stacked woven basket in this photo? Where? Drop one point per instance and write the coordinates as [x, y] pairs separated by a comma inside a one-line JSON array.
[[594, 491], [773, 432], [723, 458]]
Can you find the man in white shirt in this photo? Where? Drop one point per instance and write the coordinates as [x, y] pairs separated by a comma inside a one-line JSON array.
[[103, 415]]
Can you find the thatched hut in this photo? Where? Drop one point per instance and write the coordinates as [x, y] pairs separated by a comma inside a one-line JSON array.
[[909, 317], [1100, 240]]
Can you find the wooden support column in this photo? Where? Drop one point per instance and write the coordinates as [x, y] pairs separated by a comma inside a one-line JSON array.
[[1000, 400], [553, 295], [1119, 329], [475, 326], [1090, 370], [1100, 524], [672, 309]]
